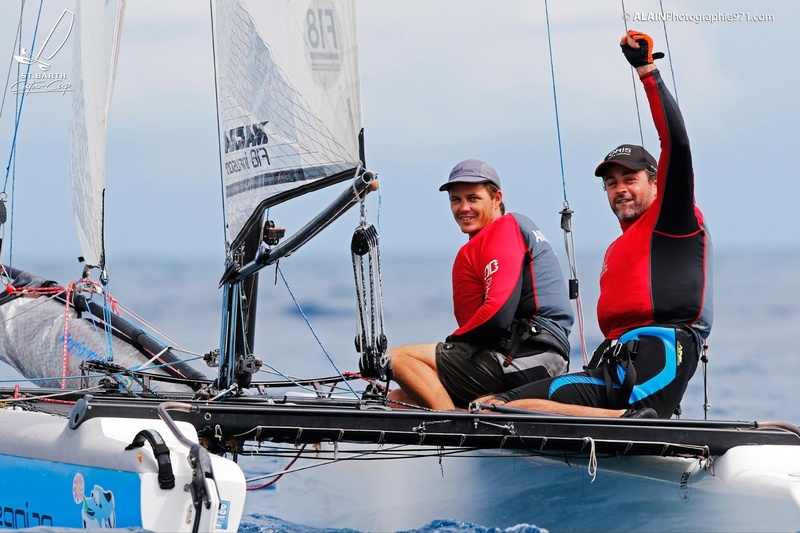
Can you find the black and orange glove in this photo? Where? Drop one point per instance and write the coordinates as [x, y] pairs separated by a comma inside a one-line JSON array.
[[639, 57]]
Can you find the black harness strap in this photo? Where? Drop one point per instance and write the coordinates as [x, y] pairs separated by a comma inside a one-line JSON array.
[[622, 355], [597, 355], [520, 332], [166, 479]]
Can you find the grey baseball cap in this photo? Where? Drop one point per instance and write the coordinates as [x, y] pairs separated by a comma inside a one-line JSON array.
[[472, 171]]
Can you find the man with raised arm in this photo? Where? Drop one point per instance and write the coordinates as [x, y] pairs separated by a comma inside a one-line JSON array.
[[655, 307]]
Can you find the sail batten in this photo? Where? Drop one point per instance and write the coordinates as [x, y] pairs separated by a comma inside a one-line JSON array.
[[286, 176], [289, 99]]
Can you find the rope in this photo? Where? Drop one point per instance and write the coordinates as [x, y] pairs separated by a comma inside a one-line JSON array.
[[591, 469], [174, 345], [12, 165], [33, 291], [294, 380], [555, 102], [374, 292], [22, 100], [277, 477], [19, 398], [92, 287], [11, 61], [633, 80], [314, 333], [108, 304], [52, 292], [669, 53], [704, 358]]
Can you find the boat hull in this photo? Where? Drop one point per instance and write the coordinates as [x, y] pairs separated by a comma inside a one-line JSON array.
[[345, 464], [496, 488], [55, 476]]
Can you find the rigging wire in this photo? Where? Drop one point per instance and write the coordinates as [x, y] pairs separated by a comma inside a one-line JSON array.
[[370, 334], [151, 327], [633, 71], [555, 102], [310, 327], [219, 130], [12, 159], [669, 52], [22, 100], [314, 333], [278, 271], [566, 212], [275, 479], [11, 61], [86, 285], [704, 355], [704, 349], [296, 382], [633, 78]]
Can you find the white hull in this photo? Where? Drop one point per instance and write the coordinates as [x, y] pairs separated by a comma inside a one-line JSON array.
[[51, 475], [750, 488]]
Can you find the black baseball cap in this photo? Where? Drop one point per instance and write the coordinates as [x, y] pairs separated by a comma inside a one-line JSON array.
[[630, 156], [472, 171]]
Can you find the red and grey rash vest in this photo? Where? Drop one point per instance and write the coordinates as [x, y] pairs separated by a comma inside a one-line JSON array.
[[509, 270], [659, 270]]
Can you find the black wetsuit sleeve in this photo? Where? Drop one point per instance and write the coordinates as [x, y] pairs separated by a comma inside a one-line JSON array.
[[675, 175]]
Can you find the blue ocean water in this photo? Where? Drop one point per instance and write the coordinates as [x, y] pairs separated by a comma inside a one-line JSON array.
[[269, 524], [753, 371]]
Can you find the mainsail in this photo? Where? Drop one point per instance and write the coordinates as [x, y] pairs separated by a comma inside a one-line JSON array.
[[96, 46], [289, 101]]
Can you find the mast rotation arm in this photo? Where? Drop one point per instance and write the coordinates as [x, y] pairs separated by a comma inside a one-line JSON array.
[[361, 185]]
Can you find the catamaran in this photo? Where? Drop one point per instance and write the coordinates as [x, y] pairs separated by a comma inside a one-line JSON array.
[[159, 438]]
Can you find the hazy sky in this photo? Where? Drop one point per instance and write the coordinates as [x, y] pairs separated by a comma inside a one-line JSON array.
[[442, 80]]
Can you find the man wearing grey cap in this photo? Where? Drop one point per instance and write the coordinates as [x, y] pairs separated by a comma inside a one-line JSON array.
[[655, 305], [510, 302]]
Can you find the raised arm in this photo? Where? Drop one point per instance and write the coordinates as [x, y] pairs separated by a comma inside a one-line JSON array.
[[675, 179]]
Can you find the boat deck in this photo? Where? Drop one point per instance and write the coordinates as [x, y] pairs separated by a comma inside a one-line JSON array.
[[313, 420]]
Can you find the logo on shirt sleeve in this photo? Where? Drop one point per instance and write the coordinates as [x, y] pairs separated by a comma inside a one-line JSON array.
[[491, 268]]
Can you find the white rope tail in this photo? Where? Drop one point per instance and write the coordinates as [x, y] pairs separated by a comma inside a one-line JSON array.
[[592, 467]]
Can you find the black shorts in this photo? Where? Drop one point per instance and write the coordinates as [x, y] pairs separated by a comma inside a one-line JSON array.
[[469, 372], [665, 360]]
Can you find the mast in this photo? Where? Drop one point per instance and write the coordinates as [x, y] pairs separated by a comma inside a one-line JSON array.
[[289, 112]]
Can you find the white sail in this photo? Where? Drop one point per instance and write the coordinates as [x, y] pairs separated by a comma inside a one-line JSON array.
[[96, 45], [289, 98]]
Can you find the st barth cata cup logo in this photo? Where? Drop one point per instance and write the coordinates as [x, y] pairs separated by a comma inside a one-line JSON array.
[[43, 80]]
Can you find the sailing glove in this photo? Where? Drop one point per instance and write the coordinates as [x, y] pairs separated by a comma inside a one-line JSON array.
[[639, 57]]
